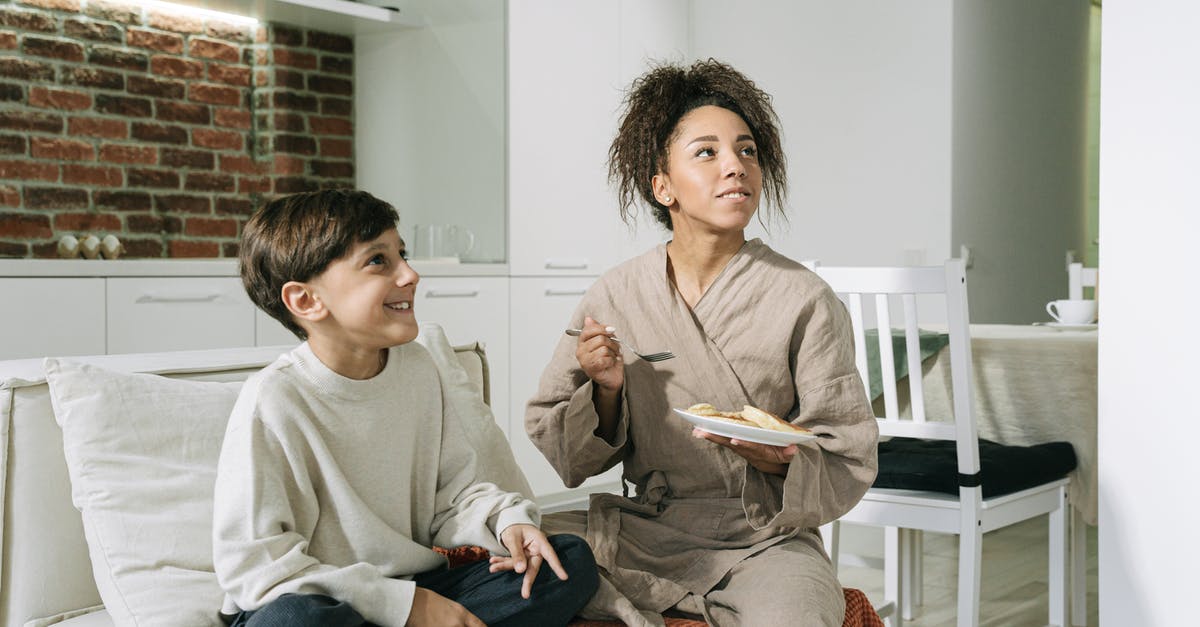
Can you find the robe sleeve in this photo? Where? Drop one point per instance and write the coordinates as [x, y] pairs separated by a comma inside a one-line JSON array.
[[829, 475], [561, 420]]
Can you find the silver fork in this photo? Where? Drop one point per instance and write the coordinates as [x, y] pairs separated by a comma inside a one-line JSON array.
[[652, 357]]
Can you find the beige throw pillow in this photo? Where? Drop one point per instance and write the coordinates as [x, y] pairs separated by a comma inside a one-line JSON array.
[[142, 454]]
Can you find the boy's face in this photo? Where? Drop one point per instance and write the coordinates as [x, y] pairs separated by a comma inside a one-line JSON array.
[[368, 296]]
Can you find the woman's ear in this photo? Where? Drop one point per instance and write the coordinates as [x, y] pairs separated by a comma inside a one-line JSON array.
[[661, 184], [299, 299]]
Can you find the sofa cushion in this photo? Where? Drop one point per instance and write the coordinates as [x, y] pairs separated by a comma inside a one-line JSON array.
[[141, 452]]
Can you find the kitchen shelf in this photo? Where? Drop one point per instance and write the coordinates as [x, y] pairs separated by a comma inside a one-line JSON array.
[[333, 16]]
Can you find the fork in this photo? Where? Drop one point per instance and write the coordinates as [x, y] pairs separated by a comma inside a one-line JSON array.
[[652, 357]]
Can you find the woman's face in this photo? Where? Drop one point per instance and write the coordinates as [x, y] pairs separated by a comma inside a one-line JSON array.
[[713, 181]]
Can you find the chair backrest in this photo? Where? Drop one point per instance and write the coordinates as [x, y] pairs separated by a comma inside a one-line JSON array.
[[1079, 277], [882, 288]]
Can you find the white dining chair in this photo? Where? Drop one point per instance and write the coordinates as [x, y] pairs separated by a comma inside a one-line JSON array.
[[904, 513], [1079, 277]]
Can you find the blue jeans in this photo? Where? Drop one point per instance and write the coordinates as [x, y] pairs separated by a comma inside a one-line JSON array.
[[494, 597]]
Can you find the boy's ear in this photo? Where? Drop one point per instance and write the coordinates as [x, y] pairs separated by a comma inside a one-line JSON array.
[[302, 302]]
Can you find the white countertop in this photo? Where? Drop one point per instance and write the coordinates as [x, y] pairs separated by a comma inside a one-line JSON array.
[[198, 267]]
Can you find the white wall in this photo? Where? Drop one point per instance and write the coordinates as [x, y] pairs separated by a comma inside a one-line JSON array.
[[1020, 160], [1149, 215], [863, 90]]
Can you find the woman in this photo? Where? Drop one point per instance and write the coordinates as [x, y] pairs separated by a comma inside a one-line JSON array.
[[719, 528]]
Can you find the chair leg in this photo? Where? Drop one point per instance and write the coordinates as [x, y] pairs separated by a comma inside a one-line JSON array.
[[970, 565], [831, 533], [893, 565], [1059, 563], [912, 573], [1079, 544]]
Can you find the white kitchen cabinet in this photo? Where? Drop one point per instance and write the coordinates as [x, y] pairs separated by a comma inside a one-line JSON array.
[[51, 316], [541, 308], [270, 332], [177, 313], [473, 309]]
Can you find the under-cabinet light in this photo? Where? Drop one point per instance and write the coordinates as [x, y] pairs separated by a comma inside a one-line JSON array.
[[184, 9]]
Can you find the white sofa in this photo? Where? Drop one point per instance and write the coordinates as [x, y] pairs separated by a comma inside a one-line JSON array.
[[46, 575]]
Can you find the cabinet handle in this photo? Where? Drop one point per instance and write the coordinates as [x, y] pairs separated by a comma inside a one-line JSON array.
[[468, 293], [183, 298], [550, 291], [566, 264]]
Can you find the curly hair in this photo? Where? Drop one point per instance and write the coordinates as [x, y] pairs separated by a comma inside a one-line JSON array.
[[653, 107]]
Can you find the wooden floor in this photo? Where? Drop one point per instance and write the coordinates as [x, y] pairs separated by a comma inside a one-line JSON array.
[[1014, 575]]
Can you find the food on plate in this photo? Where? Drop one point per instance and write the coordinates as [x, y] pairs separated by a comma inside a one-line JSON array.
[[749, 417]]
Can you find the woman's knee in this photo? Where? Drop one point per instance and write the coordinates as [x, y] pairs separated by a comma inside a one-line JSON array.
[[576, 558], [306, 610]]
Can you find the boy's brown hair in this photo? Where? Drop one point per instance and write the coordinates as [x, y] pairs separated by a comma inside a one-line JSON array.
[[294, 238]]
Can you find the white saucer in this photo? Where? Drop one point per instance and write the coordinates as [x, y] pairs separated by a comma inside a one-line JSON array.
[[743, 432], [1063, 326]]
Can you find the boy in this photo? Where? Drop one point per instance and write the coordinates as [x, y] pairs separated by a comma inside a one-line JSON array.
[[342, 466]]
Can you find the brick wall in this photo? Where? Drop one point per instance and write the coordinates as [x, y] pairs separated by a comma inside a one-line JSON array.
[[166, 130]]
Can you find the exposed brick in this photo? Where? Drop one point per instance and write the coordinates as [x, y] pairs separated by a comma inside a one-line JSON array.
[[169, 111], [92, 175], [142, 248], [254, 185], [290, 79], [297, 144], [114, 11], [61, 5], [261, 78], [175, 22], [55, 198], [8, 40], [289, 165], [162, 133], [230, 249], [210, 227], [87, 222], [286, 36], [337, 65], [176, 67], [330, 42], [330, 126], [187, 158], [179, 203], [98, 127], [129, 154], [25, 225], [150, 86], [172, 224], [332, 169], [213, 49], [52, 48], [10, 196], [241, 164], [192, 248], [59, 148], [43, 250], [30, 121], [290, 122], [15, 250], [238, 75], [51, 98], [82, 28], [28, 171], [295, 184], [262, 56], [231, 118], [28, 20], [91, 77], [162, 42], [330, 85], [158, 179], [228, 31], [336, 148], [294, 102], [11, 93], [121, 201], [209, 182], [214, 94], [293, 58], [144, 223], [26, 69], [12, 144], [124, 106], [337, 106], [118, 58]]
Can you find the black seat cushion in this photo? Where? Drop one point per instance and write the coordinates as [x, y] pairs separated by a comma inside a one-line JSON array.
[[916, 464]]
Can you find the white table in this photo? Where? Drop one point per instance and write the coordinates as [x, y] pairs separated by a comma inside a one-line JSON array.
[[1033, 384]]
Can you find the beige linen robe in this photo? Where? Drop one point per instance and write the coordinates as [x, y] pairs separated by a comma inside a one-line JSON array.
[[768, 333]]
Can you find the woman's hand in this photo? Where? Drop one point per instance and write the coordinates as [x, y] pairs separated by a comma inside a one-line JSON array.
[[766, 458], [600, 356], [431, 608], [528, 547]]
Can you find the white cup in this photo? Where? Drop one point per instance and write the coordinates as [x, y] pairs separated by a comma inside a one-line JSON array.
[[443, 242], [1072, 311]]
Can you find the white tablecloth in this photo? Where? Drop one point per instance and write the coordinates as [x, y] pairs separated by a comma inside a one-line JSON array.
[[1033, 384]]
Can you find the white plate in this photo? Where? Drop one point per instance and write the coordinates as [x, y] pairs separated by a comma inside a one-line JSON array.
[[742, 432], [1068, 327]]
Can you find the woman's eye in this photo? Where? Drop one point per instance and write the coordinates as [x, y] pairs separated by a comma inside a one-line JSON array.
[[705, 152], [750, 151]]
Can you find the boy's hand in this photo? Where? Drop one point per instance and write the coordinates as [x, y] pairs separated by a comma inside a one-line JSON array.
[[529, 548], [431, 608]]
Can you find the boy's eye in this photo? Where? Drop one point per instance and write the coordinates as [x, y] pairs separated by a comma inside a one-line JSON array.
[[376, 260], [404, 255]]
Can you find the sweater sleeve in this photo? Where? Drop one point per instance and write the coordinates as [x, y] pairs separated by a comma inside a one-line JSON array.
[[264, 507]]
